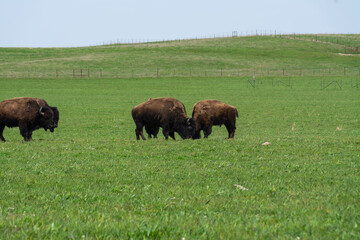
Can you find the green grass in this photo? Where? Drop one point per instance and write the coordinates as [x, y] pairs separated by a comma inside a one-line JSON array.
[[347, 40], [91, 179], [205, 57]]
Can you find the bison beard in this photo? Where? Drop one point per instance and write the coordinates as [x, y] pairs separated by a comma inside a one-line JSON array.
[[28, 114], [168, 113], [210, 112]]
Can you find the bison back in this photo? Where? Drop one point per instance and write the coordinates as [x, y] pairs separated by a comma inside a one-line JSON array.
[[159, 110], [213, 112], [13, 111]]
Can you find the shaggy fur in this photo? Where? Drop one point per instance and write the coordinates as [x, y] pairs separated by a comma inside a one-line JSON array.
[[28, 114], [211, 112], [168, 113]]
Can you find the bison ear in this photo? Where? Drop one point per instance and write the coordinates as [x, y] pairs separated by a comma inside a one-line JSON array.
[[41, 111]]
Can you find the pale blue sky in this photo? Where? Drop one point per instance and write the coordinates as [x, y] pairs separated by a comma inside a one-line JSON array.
[[72, 23]]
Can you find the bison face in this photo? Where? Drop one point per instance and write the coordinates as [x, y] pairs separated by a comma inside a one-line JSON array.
[[46, 119], [186, 129], [56, 118]]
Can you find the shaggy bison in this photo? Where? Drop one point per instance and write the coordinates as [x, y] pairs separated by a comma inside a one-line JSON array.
[[28, 114], [210, 112], [168, 113]]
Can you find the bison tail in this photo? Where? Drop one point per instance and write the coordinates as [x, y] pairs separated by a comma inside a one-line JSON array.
[[237, 115]]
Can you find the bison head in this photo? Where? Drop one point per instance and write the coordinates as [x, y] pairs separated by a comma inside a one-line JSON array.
[[56, 118], [46, 118], [186, 128]]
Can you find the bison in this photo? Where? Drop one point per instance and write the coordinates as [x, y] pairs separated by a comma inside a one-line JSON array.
[[168, 113], [211, 112], [28, 114]]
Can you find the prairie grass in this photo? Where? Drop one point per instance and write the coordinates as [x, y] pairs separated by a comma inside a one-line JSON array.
[[91, 179]]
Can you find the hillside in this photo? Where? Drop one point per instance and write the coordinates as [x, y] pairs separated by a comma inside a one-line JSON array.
[[267, 55]]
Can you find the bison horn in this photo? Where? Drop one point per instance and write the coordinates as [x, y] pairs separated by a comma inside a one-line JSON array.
[[40, 111], [188, 121]]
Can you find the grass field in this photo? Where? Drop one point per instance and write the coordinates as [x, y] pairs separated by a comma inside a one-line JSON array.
[[91, 179], [204, 57]]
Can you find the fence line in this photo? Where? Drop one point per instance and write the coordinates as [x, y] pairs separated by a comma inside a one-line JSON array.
[[175, 72], [346, 44]]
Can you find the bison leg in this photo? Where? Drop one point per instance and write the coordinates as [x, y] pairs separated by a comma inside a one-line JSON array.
[[29, 135], [231, 130], [139, 130], [166, 132], [207, 131], [156, 131], [196, 135], [24, 132], [1, 132], [148, 131], [172, 134], [139, 133]]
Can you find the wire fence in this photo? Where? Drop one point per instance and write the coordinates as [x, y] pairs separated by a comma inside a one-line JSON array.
[[350, 43], [174, 72]]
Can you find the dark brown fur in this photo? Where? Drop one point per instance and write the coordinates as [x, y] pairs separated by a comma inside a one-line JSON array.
[[28, 114], [168, 113], [211, 112]]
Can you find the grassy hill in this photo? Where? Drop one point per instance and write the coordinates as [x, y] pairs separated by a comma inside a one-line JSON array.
[[91, 179], [204, 57]]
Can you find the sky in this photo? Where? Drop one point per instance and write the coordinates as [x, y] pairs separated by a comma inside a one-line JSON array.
[[75, 23]]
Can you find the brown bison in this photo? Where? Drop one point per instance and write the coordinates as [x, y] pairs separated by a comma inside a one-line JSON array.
[[28, 114], [168, 113], [210, 112]]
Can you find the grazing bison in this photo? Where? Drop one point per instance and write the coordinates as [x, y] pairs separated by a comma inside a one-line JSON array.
[[168, 113], [28, 114], [210, 112]]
